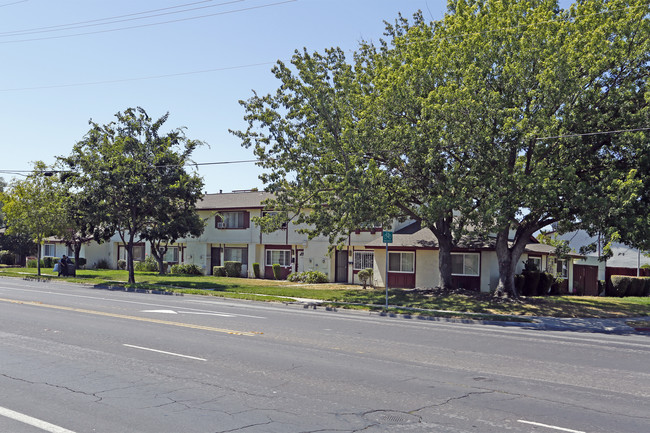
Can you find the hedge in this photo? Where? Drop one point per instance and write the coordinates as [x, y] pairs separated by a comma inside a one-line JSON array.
[[309, 277], [219, 271], [186, 269], [256, 270], [7, 258], [277, 271], [233, 269]]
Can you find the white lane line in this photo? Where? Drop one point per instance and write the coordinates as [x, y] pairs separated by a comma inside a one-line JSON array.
[[25, 419], [204, 313], [166, 353], [554, 427]]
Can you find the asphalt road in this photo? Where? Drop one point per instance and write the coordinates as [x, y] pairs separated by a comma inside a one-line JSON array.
[[80, 359]]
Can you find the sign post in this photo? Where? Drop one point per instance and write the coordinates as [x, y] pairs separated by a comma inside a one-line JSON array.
[[387, 237]]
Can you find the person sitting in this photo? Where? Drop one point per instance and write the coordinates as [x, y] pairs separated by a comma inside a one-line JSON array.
[[63, 266]]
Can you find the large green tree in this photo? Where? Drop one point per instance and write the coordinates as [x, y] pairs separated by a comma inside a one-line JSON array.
[[485, 119], [351, 145], [546, 83], [118, 170], [33, 206], [176, 214]]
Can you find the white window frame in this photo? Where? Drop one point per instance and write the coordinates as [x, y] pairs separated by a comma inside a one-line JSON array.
[[364, 258], [537, 260], [465, 274], [401, 254], [280, 257], [46, 247]]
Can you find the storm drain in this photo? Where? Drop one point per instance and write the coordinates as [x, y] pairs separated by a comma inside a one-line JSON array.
[[391, 417]]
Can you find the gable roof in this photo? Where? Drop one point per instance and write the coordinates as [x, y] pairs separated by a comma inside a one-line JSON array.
[[234, 200], [414, 236]]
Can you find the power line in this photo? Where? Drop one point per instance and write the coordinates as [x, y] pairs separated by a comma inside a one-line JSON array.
[[152, 77], [116, 19], [13, 3], [152, 24], [189, 164]]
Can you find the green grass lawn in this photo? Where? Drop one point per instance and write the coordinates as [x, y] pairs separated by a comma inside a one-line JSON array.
[[348, 296]]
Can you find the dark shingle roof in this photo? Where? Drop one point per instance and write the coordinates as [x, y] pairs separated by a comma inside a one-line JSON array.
[[234, 200], [413, 236]]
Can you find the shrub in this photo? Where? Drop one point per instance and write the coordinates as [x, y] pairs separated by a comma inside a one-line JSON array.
[[186, 269], [48, 262], [148, 265], [256, 270], [364, 276], [559, 287], [309, 277], [7, 258], [233, 269], [602, 287], [103, 264], [530, 283], [219, 271], [636, 287], [32, 263], [121, 264], [545, 281], [620, 284], [314, 277], [519, 283], [81, 263], [277, 271]]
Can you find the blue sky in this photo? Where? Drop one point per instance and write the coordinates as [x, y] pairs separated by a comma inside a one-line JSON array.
[[56, 78]]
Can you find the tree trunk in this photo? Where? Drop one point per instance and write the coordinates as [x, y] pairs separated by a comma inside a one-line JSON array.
[[77, 250], [38, 259], [129, 260], [444, 261], [508, 257], [159, 256], [442, 230]]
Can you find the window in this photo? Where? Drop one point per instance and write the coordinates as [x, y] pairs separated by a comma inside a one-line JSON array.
[[537, 261], [363, 260], [138, 252], [281, 257], [465, 264], [232, 220], [171, 256], [236, 255], [401, 262], [562, 269], [49, 250], [274, 214]]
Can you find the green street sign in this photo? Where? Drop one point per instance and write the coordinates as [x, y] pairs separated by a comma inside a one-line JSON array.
[[387, 236]]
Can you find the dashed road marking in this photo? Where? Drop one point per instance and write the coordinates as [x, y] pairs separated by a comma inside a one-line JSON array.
[[554, 427], [35, 422], [164, 352]]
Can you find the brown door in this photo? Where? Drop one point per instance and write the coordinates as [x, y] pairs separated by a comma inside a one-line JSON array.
[[341, 266], [215, 258], [585, 280]]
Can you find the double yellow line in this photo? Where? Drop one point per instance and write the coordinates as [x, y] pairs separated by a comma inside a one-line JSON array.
[[139, 319]]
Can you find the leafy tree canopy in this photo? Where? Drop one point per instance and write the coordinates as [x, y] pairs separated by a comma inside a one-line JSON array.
[[125, 173]]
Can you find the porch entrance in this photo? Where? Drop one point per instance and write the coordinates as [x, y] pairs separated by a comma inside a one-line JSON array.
[[585, 280], [341, 275], [215, 258]]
